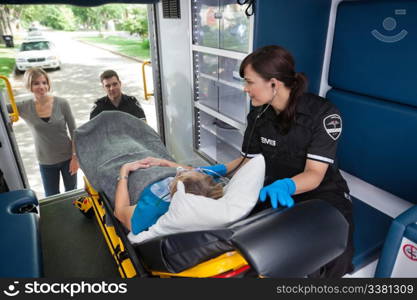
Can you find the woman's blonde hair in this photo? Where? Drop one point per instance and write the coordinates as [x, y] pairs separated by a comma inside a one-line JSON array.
[[198, 184], [32, 74]]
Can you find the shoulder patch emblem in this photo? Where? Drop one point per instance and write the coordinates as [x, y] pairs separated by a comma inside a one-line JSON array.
[[333, 126]]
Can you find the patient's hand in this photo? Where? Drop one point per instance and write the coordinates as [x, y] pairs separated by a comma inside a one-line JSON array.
[[153, 161], [133, 166]]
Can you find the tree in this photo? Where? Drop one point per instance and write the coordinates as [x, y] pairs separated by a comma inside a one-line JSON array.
[[84, 16], [65, 17], [137, 22], [58, 17], [31, 13], [95, 17], [6, 14]]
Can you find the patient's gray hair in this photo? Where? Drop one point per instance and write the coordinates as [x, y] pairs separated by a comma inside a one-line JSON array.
[[198, 184]]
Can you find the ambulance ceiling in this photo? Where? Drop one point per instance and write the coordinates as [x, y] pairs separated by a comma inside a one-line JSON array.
[[77, 2]]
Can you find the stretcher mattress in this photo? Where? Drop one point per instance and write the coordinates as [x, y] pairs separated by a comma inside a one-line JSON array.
[[291, 242], [112, 139]]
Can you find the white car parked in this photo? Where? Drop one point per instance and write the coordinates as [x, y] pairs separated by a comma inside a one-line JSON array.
[[37, 52]]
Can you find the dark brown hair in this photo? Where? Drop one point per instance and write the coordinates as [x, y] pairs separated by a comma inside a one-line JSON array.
[[198, 184], [276, 62], [108, 74]]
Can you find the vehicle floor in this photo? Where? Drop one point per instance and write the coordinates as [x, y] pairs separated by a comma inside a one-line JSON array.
[[72, 244]]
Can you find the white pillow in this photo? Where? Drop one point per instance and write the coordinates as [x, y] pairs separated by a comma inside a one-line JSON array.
[[189, 212]]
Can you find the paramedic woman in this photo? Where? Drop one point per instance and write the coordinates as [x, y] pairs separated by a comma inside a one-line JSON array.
[[297, 133]]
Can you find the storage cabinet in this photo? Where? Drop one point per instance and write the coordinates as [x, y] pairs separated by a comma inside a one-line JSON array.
[[218, 140], [220, 40], [220, 24]]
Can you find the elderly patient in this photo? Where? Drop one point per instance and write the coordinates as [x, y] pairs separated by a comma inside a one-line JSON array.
[[155, 198], [114, 150]]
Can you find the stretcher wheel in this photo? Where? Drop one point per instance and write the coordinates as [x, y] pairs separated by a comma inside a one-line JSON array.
[[84, 206]]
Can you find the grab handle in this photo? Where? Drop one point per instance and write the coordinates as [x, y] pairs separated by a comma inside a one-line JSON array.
[[14, 116], [145, 88]]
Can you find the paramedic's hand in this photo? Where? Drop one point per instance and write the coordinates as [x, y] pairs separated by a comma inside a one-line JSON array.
[[73, 167], [279, 191], [215, 170]]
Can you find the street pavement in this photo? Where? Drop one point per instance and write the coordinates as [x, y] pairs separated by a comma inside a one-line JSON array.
[[78, 82]]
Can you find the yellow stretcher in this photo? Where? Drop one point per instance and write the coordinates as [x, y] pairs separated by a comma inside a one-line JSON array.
[[290, 242], [229, 264]]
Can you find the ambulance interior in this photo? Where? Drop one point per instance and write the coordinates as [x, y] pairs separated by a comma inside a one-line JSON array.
[[359, 54]]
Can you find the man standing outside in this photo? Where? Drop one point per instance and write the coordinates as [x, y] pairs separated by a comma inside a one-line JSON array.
[[115, 100]]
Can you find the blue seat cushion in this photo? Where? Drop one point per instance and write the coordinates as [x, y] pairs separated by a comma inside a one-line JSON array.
[[403, 226], [308, 21], [411, 232], [378, 142], [370, 229], [20, 251], [374, 49]]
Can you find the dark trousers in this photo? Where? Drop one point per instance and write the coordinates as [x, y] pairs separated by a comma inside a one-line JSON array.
[[50, 177]]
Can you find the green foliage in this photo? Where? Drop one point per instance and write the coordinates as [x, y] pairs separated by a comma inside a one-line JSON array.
[[132, 18], [86, 17], [31, 13], [6, 65], [137, 22], [59, 17], [95, 17], [7, 62], [145, 44]]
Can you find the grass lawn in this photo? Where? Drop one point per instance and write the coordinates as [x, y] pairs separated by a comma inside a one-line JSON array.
[[6, 62], [138, 49]]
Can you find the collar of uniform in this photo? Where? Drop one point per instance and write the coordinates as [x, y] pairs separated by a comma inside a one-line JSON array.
[[302, 105], [123, 99], [270, 113], [302, 108]]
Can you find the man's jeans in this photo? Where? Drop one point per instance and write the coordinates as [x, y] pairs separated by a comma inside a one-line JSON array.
[[50, 178]]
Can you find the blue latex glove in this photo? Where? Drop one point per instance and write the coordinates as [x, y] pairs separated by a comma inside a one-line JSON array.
[[215, 170], [279, 191]]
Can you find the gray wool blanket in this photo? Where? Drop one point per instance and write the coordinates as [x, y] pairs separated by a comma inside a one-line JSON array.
[[112, 139]]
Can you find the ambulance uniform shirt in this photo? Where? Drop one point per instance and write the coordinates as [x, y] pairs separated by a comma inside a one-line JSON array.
[[128, 104], [313, 135]]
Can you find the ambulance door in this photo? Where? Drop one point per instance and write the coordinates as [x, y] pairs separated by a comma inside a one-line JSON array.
[[10, 160]]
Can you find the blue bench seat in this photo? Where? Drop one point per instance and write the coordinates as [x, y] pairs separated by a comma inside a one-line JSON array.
[[367, 238], [20, 251], [372, 76]]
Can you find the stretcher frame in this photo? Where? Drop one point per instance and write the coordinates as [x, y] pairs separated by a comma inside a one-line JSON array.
[[229, 264]]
